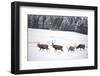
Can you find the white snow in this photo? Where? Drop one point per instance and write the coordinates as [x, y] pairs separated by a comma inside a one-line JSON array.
[[64, 38]]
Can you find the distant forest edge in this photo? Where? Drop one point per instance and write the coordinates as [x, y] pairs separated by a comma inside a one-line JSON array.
[[64, 23]]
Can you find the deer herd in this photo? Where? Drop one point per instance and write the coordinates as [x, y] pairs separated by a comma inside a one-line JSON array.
[[60, 47]]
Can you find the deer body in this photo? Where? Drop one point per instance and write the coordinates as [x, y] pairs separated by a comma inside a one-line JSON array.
[[71, 48], [57, 47], [43, 46], [81, 46]]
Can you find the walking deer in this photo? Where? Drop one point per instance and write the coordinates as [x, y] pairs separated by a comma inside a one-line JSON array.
[[57, 47], [43, 46], [71, 48], [81, 46]]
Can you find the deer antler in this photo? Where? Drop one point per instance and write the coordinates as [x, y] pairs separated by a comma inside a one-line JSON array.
[[53, 41]]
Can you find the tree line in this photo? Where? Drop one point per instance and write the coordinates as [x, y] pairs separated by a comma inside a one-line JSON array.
[[64, 23]]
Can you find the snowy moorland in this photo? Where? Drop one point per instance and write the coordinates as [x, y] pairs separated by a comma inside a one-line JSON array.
[[63, 38]]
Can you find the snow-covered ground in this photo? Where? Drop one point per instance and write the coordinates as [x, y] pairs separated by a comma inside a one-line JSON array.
[[64, 38]]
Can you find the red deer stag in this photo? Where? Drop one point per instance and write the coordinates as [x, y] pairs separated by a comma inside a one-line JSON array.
[[71, 48], [57, 47], [43, 46], [81, 46]]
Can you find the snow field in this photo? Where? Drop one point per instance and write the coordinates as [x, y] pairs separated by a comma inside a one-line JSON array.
[[63, 38]]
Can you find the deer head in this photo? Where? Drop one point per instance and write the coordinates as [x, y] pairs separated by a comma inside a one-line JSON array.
[[53, 43]]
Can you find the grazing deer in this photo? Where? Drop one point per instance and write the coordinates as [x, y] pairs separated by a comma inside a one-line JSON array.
[[43, 46], [81, 46], [57, 47], [71, 48]]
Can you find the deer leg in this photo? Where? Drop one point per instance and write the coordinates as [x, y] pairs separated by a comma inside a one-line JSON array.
[[47, 48], [55, 49], [84, 48], [62, 50]]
